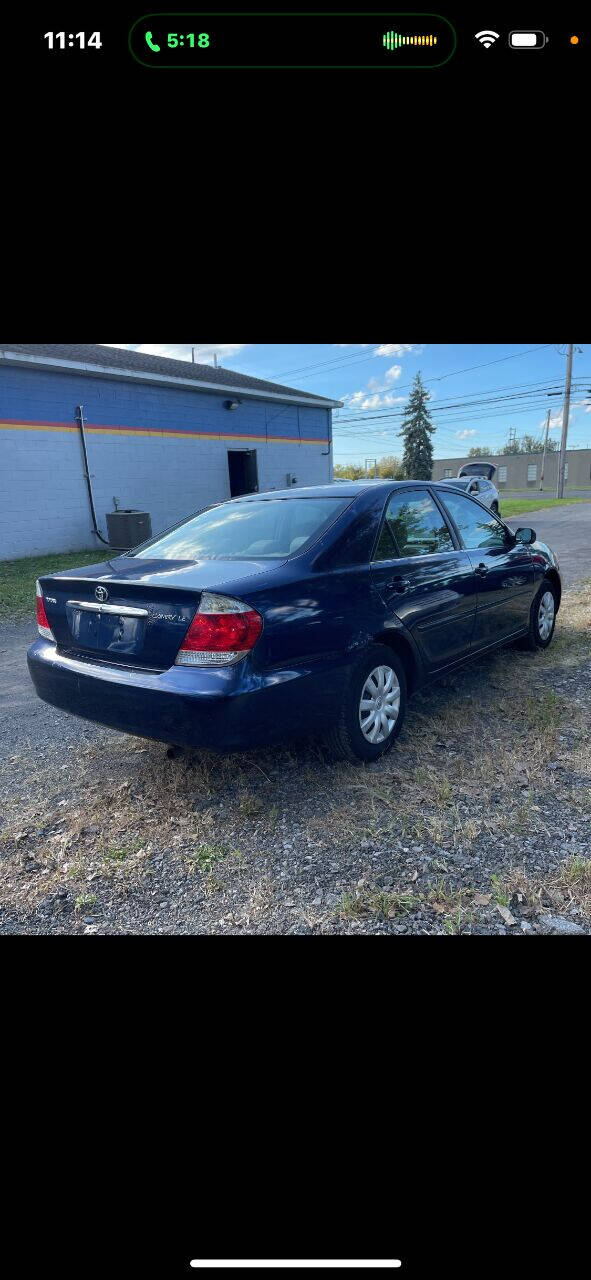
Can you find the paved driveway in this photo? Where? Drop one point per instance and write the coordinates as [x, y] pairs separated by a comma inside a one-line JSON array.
[[568, 531], [27, 724]]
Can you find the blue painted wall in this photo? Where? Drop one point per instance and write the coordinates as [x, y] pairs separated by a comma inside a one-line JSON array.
[[169, 471]]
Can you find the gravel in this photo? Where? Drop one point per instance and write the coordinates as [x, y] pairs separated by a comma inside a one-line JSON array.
[[104, 834]]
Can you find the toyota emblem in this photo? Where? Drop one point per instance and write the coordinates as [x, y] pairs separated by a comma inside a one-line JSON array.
[[101, 593]]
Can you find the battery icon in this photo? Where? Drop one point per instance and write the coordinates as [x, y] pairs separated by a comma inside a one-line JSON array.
[[527, 39]]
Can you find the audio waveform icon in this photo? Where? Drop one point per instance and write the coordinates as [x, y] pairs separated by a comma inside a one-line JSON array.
[[393, 40]]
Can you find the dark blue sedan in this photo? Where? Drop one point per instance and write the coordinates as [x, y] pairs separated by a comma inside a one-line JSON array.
[[289, 613]]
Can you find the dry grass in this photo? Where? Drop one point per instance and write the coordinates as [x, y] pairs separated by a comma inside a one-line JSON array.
[[470, 770], [567, 888]]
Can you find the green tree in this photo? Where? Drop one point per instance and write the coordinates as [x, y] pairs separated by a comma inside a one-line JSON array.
[[348, 471], [529, 444], [477, 452], [390, 468], [417, 430]]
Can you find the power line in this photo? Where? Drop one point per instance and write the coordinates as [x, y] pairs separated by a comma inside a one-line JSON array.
[[354, 355], [439, 378], [534, 401], [446, 431], [511, 391]]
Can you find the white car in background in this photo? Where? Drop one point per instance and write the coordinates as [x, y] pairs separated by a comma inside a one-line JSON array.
[[475, 478]]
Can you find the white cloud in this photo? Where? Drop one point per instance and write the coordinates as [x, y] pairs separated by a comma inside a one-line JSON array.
[[377, 393], [379, 399], [385, 348], [468, 431], [204, 352], [555, 421], [397, 348]]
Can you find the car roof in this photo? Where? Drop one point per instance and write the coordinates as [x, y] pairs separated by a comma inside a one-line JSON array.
[[338, 489]]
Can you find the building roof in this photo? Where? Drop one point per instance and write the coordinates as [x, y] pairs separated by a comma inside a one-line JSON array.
[[106, 361]]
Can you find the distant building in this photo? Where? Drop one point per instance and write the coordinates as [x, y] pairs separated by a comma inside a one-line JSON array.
[[163, 436], [521, 471]]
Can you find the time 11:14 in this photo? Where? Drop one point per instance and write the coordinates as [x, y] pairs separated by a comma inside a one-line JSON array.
[[94, 41]]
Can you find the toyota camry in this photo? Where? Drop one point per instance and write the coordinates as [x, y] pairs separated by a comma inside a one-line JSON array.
[[282, 614]]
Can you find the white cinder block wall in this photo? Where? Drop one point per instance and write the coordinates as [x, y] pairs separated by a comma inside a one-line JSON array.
[[155, 448]]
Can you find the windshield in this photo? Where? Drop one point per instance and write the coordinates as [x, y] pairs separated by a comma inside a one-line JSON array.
[[261, 529]]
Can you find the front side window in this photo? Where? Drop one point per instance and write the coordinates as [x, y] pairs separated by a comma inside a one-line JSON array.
[[261, 529], [477, 527], [414, 526]]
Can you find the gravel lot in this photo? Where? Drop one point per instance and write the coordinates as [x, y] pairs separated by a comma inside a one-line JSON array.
[[102, 833]]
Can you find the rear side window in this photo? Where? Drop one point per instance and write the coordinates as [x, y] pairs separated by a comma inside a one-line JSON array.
[[477, 527], [261, 529], [414, 526]]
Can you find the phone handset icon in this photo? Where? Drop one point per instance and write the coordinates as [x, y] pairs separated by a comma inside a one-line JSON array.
[[150, 43]]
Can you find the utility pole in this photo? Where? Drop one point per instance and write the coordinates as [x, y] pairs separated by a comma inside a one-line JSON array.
[[215, 360], [565, 416], [544, 454], [193, 355]]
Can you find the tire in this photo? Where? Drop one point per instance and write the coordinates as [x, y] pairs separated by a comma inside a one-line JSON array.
[[542, 618], [379, 677]]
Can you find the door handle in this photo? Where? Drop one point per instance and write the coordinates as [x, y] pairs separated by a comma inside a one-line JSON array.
[[398, 584], [481, 571]]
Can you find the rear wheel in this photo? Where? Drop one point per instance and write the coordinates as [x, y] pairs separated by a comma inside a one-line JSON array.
[[373, 708], [542, 618]]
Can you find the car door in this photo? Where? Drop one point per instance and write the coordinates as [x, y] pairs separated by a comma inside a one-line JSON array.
[[424, 578], [504, 569]]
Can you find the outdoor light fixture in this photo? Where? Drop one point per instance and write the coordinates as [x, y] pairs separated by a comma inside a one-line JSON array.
[[231, 404]]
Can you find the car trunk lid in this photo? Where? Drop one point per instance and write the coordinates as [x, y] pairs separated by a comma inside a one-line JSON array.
[[132, 613]]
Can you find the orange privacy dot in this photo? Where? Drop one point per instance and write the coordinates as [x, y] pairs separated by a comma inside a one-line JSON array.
[[574, 39]]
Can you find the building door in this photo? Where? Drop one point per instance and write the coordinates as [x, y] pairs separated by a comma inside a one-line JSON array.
[[242, 465]]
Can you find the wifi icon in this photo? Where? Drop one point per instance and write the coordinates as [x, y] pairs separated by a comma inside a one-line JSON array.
[[487, 37]]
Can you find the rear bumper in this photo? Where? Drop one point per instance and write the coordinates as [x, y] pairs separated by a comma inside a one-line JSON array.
[[229, 709]]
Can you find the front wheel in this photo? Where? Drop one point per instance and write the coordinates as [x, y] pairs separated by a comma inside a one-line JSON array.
[[542, 618], [373, 708]]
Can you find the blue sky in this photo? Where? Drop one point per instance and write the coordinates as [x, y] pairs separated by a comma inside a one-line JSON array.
[[510, 388]]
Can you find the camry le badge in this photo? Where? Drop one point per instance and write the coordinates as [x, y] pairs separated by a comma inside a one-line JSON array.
[[101, 593]]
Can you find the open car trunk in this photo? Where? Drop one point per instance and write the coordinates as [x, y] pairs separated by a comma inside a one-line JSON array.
[[485, 469]]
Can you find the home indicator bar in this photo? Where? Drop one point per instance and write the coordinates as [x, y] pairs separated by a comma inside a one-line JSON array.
[[206, 41], [206, 1264]]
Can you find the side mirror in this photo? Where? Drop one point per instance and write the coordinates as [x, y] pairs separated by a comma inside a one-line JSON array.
[[526, 536]]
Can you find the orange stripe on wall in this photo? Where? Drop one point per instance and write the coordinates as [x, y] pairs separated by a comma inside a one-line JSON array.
[[155, 431]]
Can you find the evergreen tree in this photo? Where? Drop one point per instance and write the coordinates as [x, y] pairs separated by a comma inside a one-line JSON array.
[[417, 430]]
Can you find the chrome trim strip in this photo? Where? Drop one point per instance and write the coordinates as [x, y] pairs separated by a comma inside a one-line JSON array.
[[121, 610]]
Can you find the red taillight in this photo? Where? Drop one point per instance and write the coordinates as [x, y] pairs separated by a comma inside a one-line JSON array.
[[42, 619], [222, 631]]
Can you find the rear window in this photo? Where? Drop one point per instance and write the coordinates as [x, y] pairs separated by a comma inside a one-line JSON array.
[[263, 529]]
